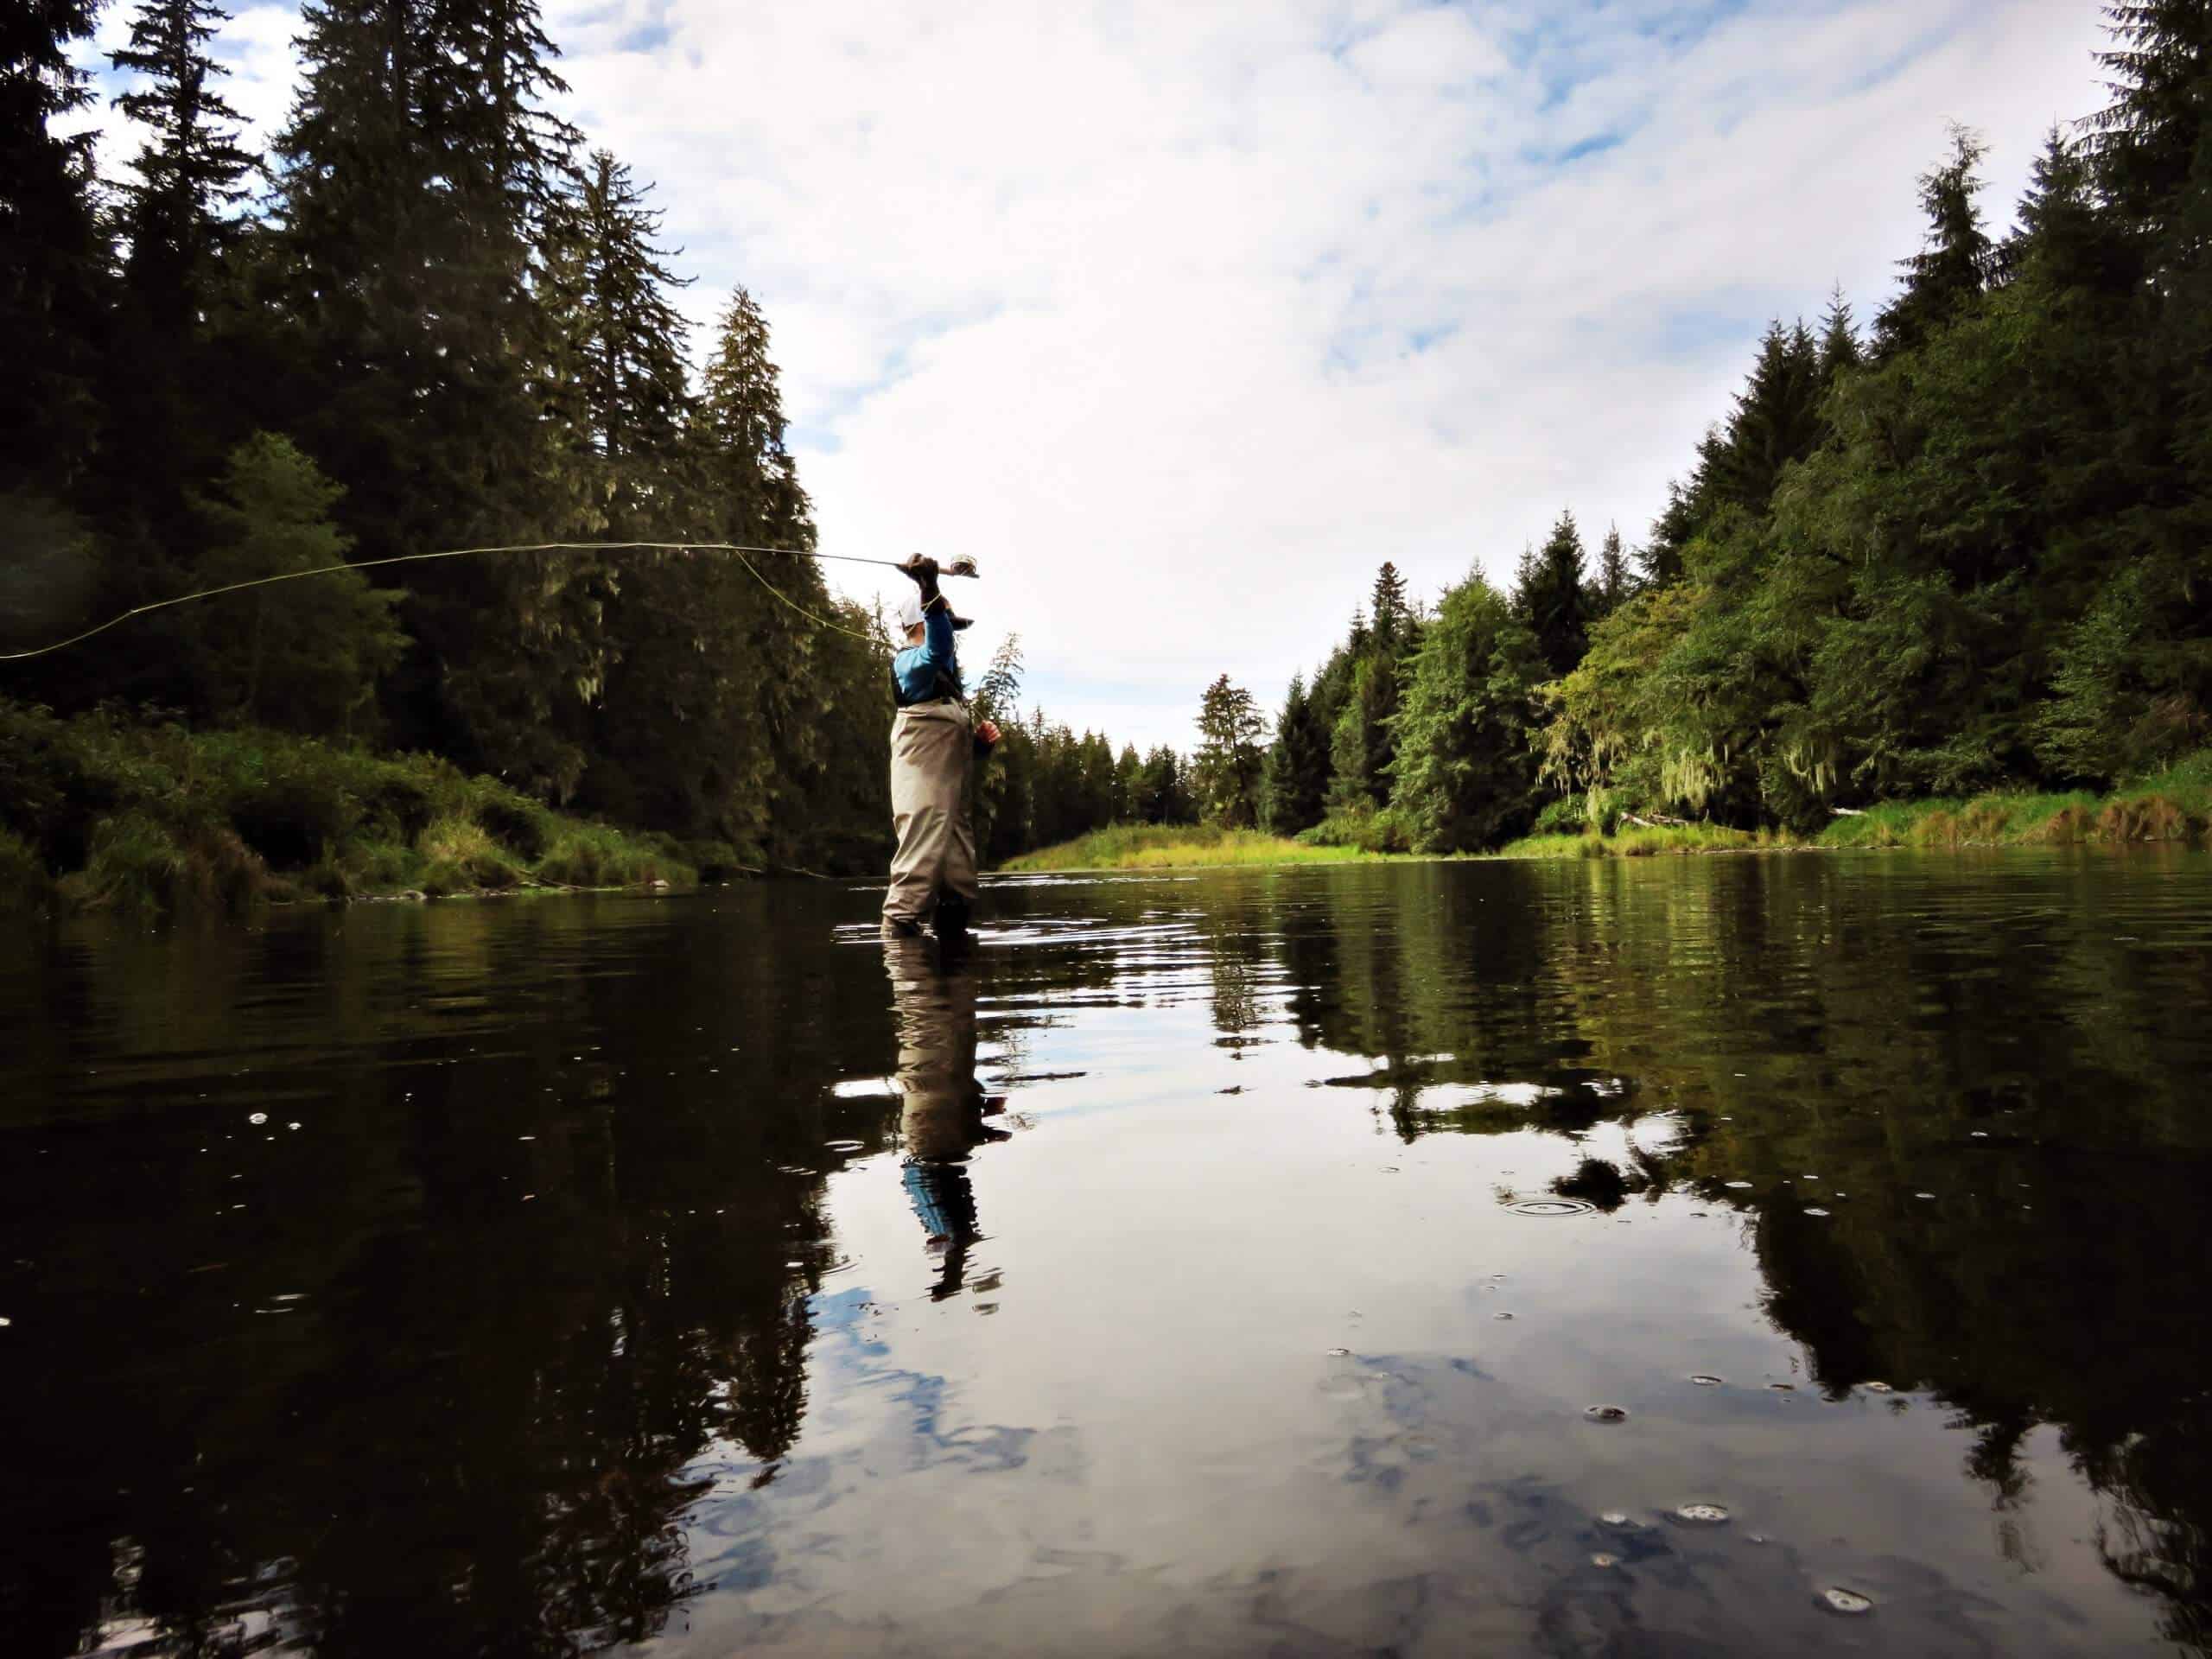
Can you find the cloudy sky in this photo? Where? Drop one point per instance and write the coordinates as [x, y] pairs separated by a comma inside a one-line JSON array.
[[1182, 316]]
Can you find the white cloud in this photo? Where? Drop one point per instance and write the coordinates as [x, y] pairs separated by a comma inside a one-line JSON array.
[[1125, 299]]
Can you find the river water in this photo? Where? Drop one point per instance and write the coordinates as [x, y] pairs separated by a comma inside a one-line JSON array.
[[1217, 1264]]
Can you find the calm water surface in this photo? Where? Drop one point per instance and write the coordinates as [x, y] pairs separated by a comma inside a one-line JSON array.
[[1213, 1265]]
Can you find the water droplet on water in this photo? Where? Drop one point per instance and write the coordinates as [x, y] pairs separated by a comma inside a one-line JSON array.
[[256, 1118], [1551, 1207], [1837, 1599], [1701, 1515], [1605, 1414], [1603, 1560], [1706, 1380]]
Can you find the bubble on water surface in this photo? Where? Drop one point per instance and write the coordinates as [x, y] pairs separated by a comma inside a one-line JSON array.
[[1551, 1207], [1706, 1380], [1738, 1186], [1603, 1560], [1783, 1388], [1923, 1195], [1620, 1521], [843, 1145], [1339, 1353], [1877, 1388], [1605, 1414], [256, 1118], [1813, 1210], [1701, 1515], [1837, 1599], [1500, 1316]]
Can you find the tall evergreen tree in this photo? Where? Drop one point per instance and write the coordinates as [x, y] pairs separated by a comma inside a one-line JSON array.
[[54, 257], [1954, 264], [417, 166], [1840, 347], [2150, 145], [1776, 421], [179, 211], [1392, 613], [1225, 771], [1614, 581], [1298, 764], [2063, 237], [1553, 599]]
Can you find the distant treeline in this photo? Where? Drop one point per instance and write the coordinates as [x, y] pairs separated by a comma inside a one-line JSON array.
[[431, 317], [1971, 549]]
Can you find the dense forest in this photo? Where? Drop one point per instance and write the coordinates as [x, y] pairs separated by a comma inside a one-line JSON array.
[[1963, 547], [1969, 548], [432, 316]]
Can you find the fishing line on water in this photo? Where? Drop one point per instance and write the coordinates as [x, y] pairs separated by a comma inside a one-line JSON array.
[[465, 552]]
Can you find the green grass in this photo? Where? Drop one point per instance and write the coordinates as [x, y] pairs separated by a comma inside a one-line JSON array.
[[103, 810], [1175, 847], [2174, 805], [1634, 842]]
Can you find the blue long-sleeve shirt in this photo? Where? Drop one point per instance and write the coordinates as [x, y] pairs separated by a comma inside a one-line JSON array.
[[915, 671]]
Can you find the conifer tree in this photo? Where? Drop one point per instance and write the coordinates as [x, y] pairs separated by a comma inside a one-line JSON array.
[[52, 255], [1614, 581], [417, 168], [1298, 764], [1840, 347], [1954, 264], [1392, 613], [1552, 598], [1776, 421], [2062, 237], [178, 214], [1225, 771], [2149, 145]]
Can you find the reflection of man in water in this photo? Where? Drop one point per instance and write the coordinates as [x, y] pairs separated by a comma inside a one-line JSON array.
[[943, 1106]]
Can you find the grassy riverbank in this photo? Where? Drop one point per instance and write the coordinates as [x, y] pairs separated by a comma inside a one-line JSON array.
[[101, 811], [2171, 806], [1175, 847]]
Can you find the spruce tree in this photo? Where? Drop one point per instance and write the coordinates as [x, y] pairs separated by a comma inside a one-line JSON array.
[[1553, 599], [1614, 581], [1298, 764], [1392, 613], [415, 171], [2150, 148], [1840, 347], [54, 257], [1225, 772], [1954, 266], [2064, 238], [1776, 421], [179, 213]]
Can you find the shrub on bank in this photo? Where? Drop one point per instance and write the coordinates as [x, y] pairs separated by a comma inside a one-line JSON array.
[[147, 814]]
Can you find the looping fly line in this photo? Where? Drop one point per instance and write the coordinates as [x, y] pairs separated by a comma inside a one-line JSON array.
[[466, 552]]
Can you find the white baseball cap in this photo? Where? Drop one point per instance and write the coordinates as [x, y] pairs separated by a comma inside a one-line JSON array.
[[910, 614]]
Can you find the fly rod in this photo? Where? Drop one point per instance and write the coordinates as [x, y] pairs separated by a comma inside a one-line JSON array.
[[960, 567]]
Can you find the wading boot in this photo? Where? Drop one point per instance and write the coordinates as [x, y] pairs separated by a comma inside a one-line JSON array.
[[952, 917]]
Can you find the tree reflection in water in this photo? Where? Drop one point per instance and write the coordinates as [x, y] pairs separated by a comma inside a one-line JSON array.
[[542, 1262]]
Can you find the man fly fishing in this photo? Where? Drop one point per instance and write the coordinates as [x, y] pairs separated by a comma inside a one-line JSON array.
[[933, 744]]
